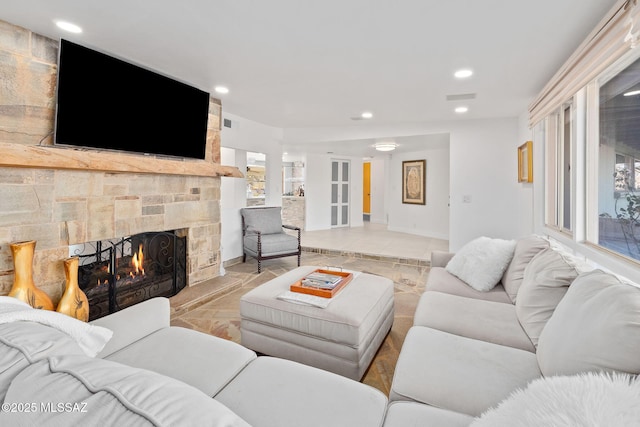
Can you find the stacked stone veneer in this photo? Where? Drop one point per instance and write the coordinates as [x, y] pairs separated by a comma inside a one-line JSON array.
[[61, 207]]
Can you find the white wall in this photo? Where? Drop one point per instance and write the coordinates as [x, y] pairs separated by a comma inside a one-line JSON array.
[[379, 189], [317, 192], [246, 135], [432, 218], [484, 170], [233, 196]]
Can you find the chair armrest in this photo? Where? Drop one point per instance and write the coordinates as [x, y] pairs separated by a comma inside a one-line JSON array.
[[293, 227], [250, 230], [133, 323], [440, 258]]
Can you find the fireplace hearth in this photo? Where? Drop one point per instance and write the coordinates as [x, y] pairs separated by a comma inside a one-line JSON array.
[[115, 274]]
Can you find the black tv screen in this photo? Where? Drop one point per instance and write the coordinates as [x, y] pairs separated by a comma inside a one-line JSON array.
[[106, 103]]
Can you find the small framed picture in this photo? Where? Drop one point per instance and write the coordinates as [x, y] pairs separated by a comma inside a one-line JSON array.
[[414, 180], [525, 162]]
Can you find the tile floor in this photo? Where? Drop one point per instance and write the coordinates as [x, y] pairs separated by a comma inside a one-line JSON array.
[[373, 239], [220, 317]]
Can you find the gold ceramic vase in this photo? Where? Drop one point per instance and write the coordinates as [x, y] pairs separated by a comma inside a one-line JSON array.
[[23, 287], [74, 302]]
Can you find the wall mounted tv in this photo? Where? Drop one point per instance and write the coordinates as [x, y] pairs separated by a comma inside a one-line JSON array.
[[106, 103]]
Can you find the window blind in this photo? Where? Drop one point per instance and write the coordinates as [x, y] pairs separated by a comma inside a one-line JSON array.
[[604, 45]]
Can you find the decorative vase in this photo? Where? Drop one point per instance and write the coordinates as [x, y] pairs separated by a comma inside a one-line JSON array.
[[74, 302], [23, 287]]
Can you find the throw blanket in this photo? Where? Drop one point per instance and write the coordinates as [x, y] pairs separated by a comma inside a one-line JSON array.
[[588, 399], [91, 339]]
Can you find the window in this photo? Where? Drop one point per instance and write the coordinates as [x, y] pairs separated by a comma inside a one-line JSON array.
[[256, 179], [591, 188], [618, 106], [559, 182]]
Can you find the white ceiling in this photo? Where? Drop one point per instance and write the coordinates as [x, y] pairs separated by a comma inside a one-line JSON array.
[[296, 63]]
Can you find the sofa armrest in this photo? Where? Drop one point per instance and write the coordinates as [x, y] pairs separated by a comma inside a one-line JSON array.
[[440, 258], [133, 323], [290, 227]]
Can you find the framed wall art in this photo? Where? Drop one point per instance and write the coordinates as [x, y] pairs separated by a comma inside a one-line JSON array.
[[414, 180], [525, 162]]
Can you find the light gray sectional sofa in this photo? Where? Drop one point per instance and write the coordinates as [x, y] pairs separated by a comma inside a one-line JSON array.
[[550, 315], [150, 373]]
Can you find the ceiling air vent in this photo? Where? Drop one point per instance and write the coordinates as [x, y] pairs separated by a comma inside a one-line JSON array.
[[226, 123], [461, 97]]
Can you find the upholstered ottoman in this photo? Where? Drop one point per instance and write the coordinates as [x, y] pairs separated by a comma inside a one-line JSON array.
[[341, 338]]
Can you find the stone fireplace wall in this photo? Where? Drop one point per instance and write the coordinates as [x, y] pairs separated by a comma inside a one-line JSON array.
[[59, 207]]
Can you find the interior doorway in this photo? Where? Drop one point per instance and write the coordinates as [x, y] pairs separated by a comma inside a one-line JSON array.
[[366, 191], [340, 171]]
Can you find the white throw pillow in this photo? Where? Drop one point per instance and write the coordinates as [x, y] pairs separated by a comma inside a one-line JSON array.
[[482, 262], [546, 280], [581, 400]]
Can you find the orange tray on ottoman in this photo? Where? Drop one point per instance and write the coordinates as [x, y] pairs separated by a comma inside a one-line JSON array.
[[326, 293]]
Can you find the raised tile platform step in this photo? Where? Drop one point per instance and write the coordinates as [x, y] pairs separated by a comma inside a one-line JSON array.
[[383, 258], [194, 296]]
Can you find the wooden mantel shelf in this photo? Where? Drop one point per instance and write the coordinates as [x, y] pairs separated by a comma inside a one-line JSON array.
[[43, 156]]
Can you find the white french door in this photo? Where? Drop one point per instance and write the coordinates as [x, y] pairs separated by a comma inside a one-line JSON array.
[[340, 193]]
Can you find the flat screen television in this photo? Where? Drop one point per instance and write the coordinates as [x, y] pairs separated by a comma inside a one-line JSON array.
[[106, 103]]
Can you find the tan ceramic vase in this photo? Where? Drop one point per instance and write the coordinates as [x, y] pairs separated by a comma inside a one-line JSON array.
[[74, 302], [23, 287]]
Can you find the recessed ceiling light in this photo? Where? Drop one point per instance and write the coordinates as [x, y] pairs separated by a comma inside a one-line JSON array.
[[221, 89], [632, 93], [461, 110], [68, 26], [367, 115], [463, 74]]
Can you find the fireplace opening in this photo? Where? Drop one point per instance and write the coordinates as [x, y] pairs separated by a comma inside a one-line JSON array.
[[115, 274]]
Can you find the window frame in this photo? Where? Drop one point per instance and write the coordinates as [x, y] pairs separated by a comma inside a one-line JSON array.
[[593, 140]]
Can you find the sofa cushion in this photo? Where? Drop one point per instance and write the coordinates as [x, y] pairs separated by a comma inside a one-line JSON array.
[[133, 323], [23, 343], [482, 262], [489, 321], [526, 249], [577, 400], [546, 280], [273, 392], [164, 352], [404, 414], [458, 373], [79, 390], [271, 244], [267, 220], [441, 280], [594, 328]]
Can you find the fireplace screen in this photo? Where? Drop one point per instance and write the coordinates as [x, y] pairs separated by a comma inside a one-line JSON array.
[[115, 274]]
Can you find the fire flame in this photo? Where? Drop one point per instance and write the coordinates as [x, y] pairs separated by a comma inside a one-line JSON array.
[[137, 261]]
